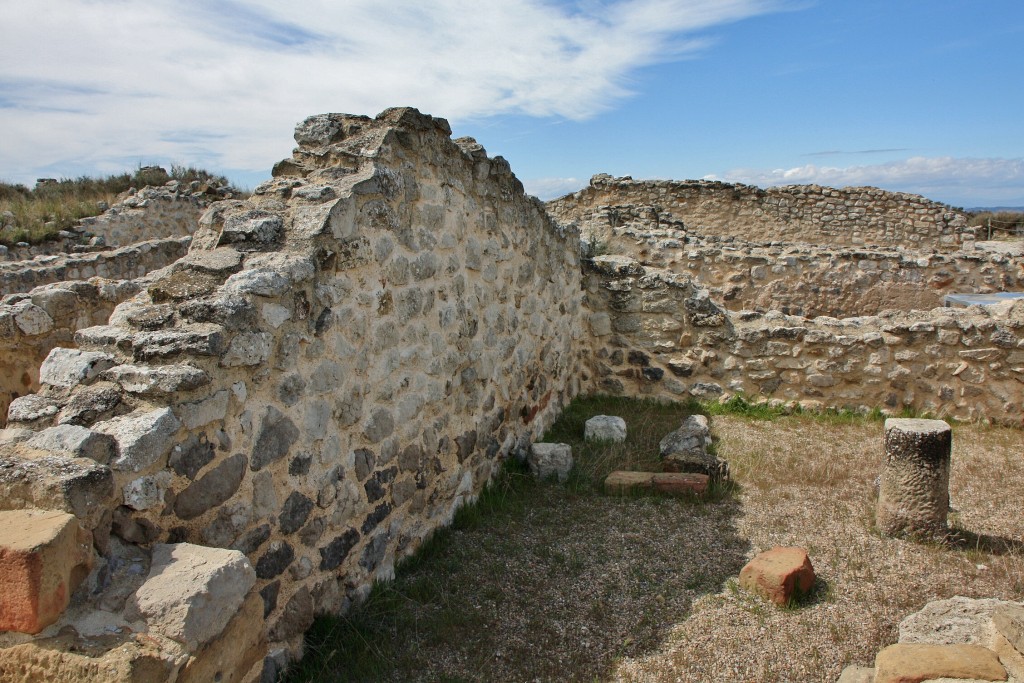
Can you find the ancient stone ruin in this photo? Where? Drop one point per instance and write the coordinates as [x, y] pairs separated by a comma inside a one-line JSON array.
[[206, 449]]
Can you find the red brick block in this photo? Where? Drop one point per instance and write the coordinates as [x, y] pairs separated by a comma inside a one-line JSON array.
[[778, 573], [44, 555]]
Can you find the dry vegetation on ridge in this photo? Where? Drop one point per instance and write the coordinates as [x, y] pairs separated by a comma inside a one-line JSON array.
[[544, 582]]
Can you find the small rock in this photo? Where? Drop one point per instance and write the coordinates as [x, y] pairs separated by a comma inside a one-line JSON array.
[[779, 575], [550, 460], [686, 450], [605, 428]]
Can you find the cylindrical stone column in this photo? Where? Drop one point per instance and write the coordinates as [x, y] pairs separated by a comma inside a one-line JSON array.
[[913, 498]]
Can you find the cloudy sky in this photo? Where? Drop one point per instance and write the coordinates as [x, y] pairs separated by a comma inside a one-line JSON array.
[[921, 96]]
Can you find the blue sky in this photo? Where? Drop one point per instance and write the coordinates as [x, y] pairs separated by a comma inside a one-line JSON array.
[[921, 96]]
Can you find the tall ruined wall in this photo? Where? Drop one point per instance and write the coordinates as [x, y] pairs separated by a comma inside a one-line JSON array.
[[124, 263], [658, 333], [852, 216], [32, 324], [334, 368]]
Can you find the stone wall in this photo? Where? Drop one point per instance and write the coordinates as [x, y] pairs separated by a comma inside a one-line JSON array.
[[336, 366], [124, 263], [661, 334], [851, 216], [32, 324], [151, 213]]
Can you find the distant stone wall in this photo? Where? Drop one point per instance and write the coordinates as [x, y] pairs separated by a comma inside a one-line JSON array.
[[151, 213], [852, 216], [336, 366], [661, 334], [124, 263], [32, 324]]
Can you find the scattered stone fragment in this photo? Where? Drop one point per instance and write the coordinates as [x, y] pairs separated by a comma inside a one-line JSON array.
[[550, 460], [192, 592], [605, 428], [686, 450], [779, 575], [44, 555], [916, 662]]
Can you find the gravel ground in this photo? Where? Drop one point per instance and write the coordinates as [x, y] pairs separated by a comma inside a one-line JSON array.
[[810, 484], [565, 584]]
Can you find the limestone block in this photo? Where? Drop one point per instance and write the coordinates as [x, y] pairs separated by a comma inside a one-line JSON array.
[[68, 367], [77, 441], [913, 497], [142, 437], [957, 620], [146, 492], [248, 348], [160, 379], [146, 658], [672, 483], [44, 555], [605, 428], [779, 574], [916, 662], [40, 479], [550, 460], [192, 592], [32, 320], [200, 413], [228, 658], [1008, 639]]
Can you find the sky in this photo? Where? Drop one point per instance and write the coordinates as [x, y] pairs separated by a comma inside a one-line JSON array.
[[922, 96]]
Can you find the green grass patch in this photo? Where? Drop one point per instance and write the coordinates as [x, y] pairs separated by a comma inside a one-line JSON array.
[[533, 562]]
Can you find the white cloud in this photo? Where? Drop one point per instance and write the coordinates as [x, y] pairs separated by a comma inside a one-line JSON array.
[[95, 84], [959, 181], [549, 188]]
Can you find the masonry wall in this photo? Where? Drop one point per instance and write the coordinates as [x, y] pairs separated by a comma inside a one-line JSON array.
[[336, 366], [124, 263], [33, 323], [851, 216], [661, 334]]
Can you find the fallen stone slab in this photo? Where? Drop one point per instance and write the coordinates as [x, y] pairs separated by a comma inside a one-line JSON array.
[[686, 450], [550, 460], [605, 428], [780, 575], [44, 555], [192, 592], [917, 662], [672, 483]]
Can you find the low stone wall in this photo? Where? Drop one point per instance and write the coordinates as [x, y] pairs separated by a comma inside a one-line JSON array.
[[124, 263], [32, 324], [808, 279], [151, 213], [658, 333], [336, 366], [852, 216]]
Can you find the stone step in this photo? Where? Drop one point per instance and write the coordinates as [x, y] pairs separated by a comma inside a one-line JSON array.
[[672, 483]]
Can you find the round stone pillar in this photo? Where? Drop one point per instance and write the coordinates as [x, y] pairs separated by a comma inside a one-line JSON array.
[[913, 498]]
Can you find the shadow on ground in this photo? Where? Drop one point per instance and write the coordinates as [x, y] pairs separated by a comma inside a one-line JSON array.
[[538, 581]]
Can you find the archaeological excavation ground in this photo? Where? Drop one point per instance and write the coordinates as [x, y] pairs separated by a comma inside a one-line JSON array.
[[232, 417]]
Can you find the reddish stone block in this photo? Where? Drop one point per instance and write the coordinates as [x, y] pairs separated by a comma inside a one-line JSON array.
[[777, 574], [672, 483], [44, 555]]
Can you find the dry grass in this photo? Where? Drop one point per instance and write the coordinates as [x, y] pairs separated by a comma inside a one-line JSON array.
[[542, 582]]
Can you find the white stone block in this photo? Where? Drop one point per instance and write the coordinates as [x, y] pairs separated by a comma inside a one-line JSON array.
[[605, 428]]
